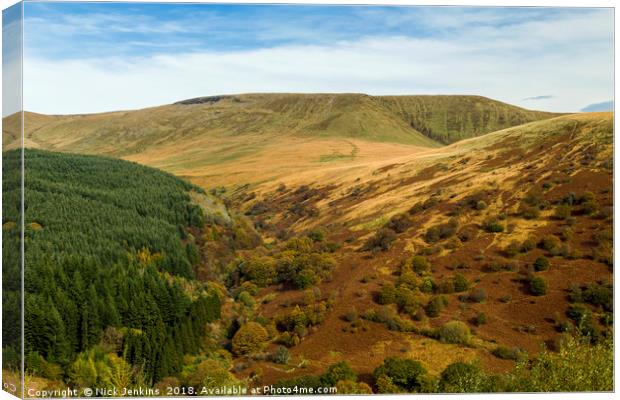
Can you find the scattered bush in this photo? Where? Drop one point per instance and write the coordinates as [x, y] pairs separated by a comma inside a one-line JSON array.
[[435, 306], [351, 315], [562, 212], [340, 371], [461, 283], [507, 353], [399, 223], [492, 225], [462, 377], [419, 207], [589, 207], [529, 212], [596, 294], [477, 295], [541, 264], [480, 319], [550, 243], [538, 286], [418, 264], [381, 241], [400, 375], [468, 233], [303, 267], [455, 332], [250, 338], [512, 249], [387, 294], [567, 234], [318, 234], [441, 231], [281, 355], [528, 244]]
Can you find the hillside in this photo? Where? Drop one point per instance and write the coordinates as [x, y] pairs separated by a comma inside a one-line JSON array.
[[448, 119], [336, 255], [502, 232], [254, 138]]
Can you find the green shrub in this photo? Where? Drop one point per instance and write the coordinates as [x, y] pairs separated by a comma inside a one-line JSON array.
[[435, 306], [578, 313], [477, 295], [529, 212], [550, 243], [492, 225], [340, 371], [400, 375], [399, 223], [246, 299], [352, 315], [418, 264], [562, 212], [481, 205], [589, 207], [250, 338], [512, 249], [507, 353], [538, 286], [461, 283], [304, 267], [387, 295], [462, 377], [409, 279], [480, 319], [599, 295], [454, 332], [306, 382], [381, 241], [281, 355], [427, 285], [446, 286], [541, 264], [528, 244], [318, 234]]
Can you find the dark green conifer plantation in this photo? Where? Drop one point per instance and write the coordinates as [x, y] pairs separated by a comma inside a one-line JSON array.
[[105, 249]]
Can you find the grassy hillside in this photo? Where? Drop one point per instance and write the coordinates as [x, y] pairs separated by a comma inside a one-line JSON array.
[[108, 264], [448, 119], [253, 138], [363, 264], [413, 120], [477, 252]]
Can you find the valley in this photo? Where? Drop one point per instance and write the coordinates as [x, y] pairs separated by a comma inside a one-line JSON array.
[[344, 231]]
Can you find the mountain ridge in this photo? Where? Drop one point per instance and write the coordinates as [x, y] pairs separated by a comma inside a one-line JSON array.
[[423, 120]]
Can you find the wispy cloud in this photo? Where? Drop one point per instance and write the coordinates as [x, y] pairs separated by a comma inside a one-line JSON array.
[[543, 97], [507, 54]]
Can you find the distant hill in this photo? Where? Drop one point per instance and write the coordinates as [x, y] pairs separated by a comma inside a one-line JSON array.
[[604, 106], [415, 120], [247, 138]]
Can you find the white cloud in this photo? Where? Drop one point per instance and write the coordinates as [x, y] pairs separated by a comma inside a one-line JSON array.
[[570, 57]]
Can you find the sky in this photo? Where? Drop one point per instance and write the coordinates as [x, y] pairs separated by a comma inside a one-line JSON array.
[[95, 57], [11, 60]]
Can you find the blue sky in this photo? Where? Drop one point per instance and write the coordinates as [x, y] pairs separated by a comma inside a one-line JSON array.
[[93, 57], [11, 59]]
